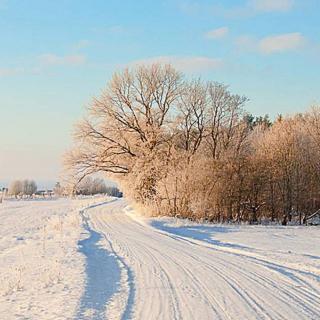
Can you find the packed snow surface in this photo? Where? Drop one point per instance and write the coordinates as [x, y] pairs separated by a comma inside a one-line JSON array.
[[99, 259]]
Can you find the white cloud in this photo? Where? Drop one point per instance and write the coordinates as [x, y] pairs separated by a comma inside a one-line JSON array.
[[187, 64], [271, 5], [271, 44], [247, 8], [255, 7], [281, 43], [7, 72], [51, 59], [217, 33], [43, 61]]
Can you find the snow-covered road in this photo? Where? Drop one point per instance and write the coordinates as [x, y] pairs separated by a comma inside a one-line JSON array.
[[95, 258], [163, 272]]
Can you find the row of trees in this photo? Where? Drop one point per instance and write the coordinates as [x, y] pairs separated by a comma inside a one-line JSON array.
[[91, 186], [87, 186], [22, 187], [187, 148]]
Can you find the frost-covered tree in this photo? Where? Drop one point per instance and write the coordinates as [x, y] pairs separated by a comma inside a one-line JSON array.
[[22, 187], [91, 186], [15, 188], [29, 187], [113, 192], [188, 148], [58, 189], [98, 186]]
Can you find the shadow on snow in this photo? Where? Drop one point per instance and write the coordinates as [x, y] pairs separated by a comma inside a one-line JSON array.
[[198, 232], [103, 276]]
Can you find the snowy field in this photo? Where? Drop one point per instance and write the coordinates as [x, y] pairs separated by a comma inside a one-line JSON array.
[[98, 259], [42, 273]]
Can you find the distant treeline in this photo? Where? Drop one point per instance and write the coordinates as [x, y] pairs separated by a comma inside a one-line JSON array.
[[88, 186], [92, 186], [188, 148], [22, 188]]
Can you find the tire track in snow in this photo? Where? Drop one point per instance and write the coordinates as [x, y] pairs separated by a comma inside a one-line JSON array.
[[288, 295], [159, 272], [293, 294], [103, 273], [175, 277], [129, 289]]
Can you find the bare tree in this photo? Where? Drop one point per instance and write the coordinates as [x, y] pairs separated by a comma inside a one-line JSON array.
[[187, 148], [24, 187], [15, 188]]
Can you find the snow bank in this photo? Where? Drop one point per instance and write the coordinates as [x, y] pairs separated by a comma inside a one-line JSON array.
[[293, 246], [42, 273]]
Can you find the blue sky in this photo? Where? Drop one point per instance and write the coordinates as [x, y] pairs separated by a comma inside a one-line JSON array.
[[55, 55]]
